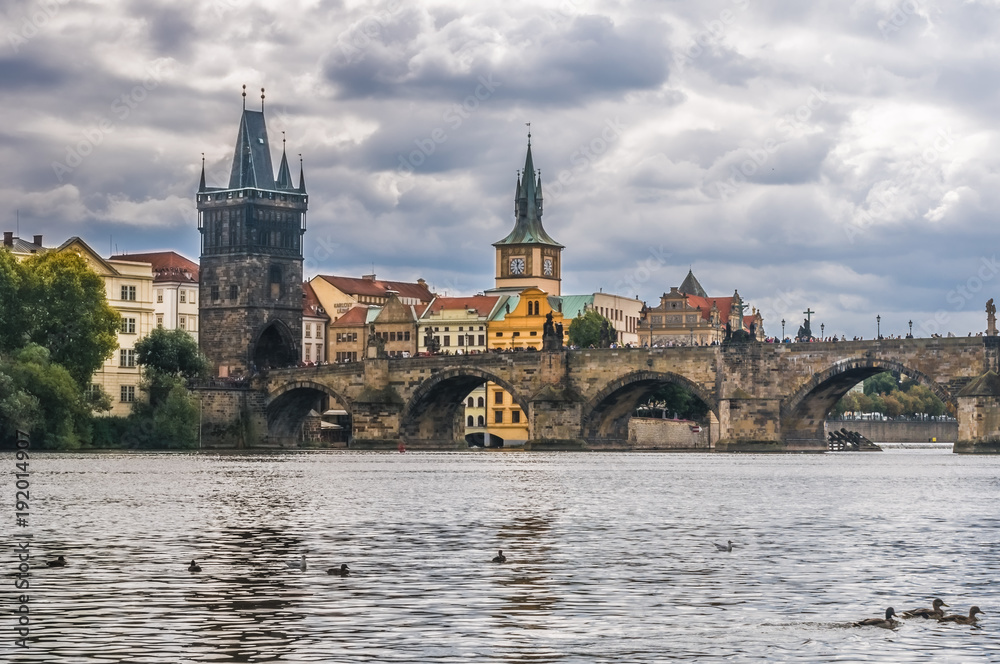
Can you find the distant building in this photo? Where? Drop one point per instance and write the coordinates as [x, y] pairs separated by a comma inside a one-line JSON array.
[[338, 294], [457, 324], [315, 321], [175, 289], [688, 316], [624, 313]]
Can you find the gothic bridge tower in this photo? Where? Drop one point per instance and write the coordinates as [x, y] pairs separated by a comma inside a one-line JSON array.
[[250, 305]]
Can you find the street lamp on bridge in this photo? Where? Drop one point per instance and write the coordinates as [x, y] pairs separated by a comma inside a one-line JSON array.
[[782, 329], [878, 327], [822, 330], [910, 335]]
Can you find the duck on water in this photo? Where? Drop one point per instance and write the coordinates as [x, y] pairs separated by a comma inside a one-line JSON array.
[[934, 612], [884, 623], [963, 620]]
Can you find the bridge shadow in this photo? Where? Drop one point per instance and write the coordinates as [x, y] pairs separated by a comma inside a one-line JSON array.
[[606, 416], [294, 414]]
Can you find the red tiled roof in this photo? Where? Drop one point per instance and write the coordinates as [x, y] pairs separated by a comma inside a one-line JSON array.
[[310, 303], [354, 317], [483, 304], [378, 288], [167, 265]]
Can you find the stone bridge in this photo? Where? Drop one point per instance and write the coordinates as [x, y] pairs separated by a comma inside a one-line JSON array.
[[766, 397]]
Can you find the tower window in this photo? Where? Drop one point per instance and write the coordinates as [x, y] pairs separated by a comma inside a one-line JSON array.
[[233, 291], [215, 293]]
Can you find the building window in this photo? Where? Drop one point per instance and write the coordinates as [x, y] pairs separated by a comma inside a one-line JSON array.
[[319, 330], [392, 336], [233, 291], [182, 322], [447, 340], [128, 293], [498, 398], [126, 357], [471, 402], [127, 393], [309, 330], [183, 296], [515, 416], [481, 403], [309, 351], [498, 417], [482, 421], [482, 339], [469, 421], [406, 335], [159, 297], [159, 320], [128, 326], [192, 297]]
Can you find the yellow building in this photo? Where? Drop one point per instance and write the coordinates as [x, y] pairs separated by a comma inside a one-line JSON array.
[[129, 289]]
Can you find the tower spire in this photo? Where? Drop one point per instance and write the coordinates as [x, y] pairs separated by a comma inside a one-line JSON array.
[[262, 100], [302, 176], [284, 180], [244, 97], [201, 187]]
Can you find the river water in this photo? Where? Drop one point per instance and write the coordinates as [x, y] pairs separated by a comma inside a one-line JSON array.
[[610, 557]]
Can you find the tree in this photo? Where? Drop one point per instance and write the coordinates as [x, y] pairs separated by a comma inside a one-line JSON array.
[[13, 330], [66, 311], [678, 400], [882, 383], [56, 411], [585, 329], [169, 355]]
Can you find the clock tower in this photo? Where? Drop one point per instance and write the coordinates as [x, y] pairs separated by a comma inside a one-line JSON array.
[[528, 257]]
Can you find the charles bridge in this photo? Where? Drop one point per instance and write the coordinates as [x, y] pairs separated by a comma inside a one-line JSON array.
[[765, 397]]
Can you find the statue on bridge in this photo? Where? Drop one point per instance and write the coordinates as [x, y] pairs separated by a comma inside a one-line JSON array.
[[991, 319], [550, 340], [805, 331], [376, 345]]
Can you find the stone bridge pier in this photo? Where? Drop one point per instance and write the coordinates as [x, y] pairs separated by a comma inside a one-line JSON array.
[[765, 397]]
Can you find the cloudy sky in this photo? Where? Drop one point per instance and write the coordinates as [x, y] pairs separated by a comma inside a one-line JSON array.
[[836, 155]]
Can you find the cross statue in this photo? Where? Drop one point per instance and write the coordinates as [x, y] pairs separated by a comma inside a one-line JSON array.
[[809, 312]]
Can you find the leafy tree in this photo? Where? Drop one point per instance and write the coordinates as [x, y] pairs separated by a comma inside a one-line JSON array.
[[13, 330], [59, 415], [676, 399], [585, 329], [169, 356], [882, 383], [67, 312]]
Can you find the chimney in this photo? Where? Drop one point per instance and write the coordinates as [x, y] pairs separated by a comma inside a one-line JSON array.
[[368, 277], [38, 240], [8, 238], [421, 283]]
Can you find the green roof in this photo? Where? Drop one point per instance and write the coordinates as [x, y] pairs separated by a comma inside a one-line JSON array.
[[574, 305]]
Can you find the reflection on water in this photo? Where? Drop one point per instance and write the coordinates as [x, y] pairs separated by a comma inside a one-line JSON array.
[[610, 557]]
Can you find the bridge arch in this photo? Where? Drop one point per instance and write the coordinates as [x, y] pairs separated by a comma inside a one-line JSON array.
[[803, 414], [433, 414], [288, 406], [606, 415]]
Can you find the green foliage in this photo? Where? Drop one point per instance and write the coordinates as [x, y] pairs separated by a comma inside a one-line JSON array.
[[585, 329], [884, 394], [168, 356], [171, 424], [109, 432], [13, 331], [676, 399], [59, 417], [67, 312]]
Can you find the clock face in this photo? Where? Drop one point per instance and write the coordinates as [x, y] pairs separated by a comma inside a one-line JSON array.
[[547, 267], [517, 266]]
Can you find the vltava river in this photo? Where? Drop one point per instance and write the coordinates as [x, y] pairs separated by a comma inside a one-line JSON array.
[[610, 557]]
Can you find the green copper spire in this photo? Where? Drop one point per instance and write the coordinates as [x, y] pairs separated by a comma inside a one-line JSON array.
[[528, 226]]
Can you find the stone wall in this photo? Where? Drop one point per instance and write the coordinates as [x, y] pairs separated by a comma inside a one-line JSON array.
[[888, 431], [650, 433], [232, 418]]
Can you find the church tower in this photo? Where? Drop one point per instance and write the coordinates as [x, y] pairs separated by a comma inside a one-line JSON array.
[[250, 304], [528, 257]]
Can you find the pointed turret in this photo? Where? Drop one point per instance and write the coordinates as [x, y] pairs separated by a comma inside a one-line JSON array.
[[302, 177], [528, 196], [284, 180], [690, 286], [252, 158], [201, 187]]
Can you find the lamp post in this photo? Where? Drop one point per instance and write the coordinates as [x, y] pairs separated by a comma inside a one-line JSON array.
[[822, 330], [782, 329], [911, 328], [878, 327]]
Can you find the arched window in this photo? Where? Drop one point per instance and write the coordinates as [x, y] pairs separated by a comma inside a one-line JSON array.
[[481, 403], [469, 421], [471, 403], [482, 421]]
